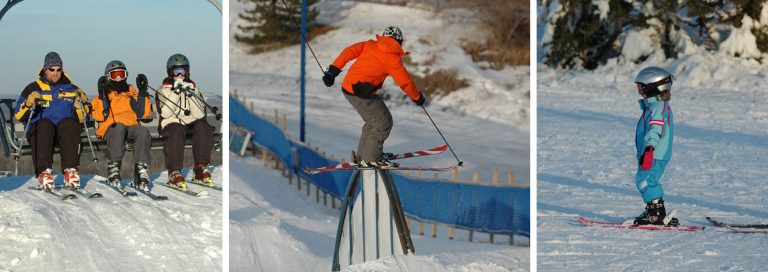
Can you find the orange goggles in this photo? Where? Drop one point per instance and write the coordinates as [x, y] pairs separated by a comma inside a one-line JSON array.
[[118, 75]]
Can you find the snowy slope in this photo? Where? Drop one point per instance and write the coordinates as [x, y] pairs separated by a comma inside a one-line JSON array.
[[274, 227], [41, 233], [486, 123], [586, 166]]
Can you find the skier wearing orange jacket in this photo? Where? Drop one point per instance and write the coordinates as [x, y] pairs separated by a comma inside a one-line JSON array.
[[118, 110], [376, 60]]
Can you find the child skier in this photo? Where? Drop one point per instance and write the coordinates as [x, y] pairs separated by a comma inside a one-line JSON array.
[[375, 61], [182, 110], [118, 109], [653, 139]]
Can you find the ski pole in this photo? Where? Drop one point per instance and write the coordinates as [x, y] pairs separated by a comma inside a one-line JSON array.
[[87, 131], [290, 12], [23, 138], [165, 99], [461, 163]]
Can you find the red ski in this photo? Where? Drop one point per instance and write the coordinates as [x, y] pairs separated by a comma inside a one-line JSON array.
[[420, 153], [615, 225], [352, 166]]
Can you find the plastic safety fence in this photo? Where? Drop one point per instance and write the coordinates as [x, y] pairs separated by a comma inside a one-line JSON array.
[[497, 210]]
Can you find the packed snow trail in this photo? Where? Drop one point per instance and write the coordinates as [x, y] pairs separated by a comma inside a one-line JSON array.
[[274, 227], [41, 233], [586, 167]]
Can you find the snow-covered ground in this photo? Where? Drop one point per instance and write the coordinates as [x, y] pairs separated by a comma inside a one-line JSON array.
[[41, 233], [274, 227], [487, 123], [586, 166]]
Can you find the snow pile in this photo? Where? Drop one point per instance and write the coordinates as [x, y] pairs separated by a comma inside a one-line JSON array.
[[586, 164], [273, 227], [489, 130], [433, 40], [41, 233]]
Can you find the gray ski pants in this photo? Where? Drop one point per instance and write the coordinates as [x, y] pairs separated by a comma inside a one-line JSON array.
[[116, 136], [378, 124]]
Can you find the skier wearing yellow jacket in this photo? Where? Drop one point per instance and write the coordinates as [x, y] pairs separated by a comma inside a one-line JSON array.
[[118, 109]]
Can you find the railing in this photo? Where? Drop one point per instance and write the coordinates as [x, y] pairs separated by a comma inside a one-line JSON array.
[[489, 209]]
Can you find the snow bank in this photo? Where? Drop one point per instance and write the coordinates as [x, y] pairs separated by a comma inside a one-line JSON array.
[[41, 233]]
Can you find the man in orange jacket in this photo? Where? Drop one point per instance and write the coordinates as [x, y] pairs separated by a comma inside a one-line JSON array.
[[375, 61], [118, 109]]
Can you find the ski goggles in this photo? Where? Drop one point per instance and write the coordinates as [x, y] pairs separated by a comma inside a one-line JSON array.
[[180, 71], [51, 69], [118, 75]]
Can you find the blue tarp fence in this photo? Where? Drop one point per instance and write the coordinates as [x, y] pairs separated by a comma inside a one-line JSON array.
[[489, 209]]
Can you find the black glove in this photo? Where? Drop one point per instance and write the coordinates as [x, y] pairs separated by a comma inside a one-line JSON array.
[[420, 102], [142, 84], [102, 86], [330, 75]]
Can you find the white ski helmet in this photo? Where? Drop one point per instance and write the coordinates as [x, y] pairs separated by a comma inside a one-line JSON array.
[[653, 80], [394, 32]]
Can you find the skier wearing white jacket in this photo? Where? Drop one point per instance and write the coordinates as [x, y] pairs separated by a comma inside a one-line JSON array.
[[181, 107]]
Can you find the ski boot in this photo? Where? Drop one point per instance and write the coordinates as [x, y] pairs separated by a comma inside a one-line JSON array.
[[655, 214], [202, 174], [140, 176], [113, 174], [383, 162], [71, 178], [46, 179], [175, 179]]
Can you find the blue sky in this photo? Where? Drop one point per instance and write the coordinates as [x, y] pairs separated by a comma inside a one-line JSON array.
[[89, 33]]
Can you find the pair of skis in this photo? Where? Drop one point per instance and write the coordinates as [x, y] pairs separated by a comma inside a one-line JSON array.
[[66, 192], [735, 227], [391, 157]]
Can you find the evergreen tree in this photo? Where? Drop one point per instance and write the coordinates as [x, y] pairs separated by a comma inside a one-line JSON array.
[[269, 22]]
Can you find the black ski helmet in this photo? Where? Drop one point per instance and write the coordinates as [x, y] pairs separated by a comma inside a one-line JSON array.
[[114, 65], [176, 60], [394, 32]]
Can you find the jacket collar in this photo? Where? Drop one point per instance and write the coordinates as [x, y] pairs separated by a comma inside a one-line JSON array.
[[647, 102]]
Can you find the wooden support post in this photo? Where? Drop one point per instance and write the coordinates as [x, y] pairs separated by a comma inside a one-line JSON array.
[[298, 185], [333, 202], [264, 156], [317, 194], [491, 238], [251, 106], [496, 175], [245, 100], [434, 230], [307, 187], [511, 240], [235, 92], [421, 228], [455, 174], [325, 199], [435, 176], [275, 120], [475, 180], [511, 178], [285, 122], [451, 231]]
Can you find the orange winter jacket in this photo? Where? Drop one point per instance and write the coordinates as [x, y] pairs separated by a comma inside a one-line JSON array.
[[125, 108], [375, 61]]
